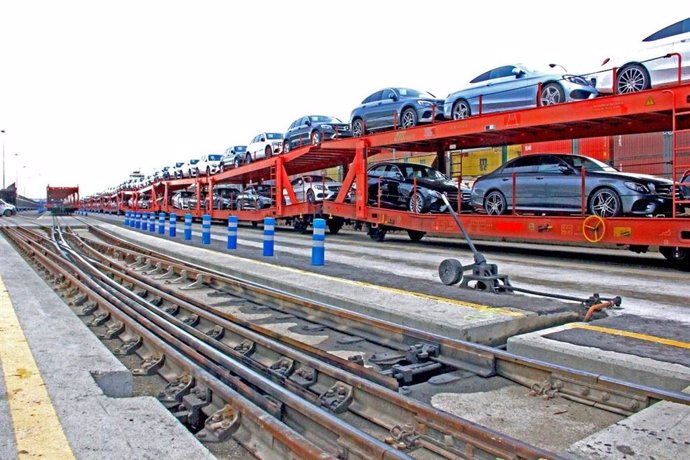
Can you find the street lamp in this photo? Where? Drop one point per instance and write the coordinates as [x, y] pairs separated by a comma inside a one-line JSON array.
[[2, 131]]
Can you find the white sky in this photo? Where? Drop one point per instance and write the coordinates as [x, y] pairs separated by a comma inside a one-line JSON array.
[[91, 90]]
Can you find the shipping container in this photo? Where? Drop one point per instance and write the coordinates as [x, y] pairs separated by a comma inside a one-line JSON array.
[[648, 153], [565, 146], [475, 163], [595, 147]]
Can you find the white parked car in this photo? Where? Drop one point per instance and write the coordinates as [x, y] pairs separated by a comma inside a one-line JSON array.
[[7, 209], [649, 67], [208, 164], [313, 188], [264, 145], [175, 171], [189, 168]]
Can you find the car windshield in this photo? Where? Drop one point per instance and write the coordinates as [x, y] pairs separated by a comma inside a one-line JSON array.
[[214, 157], [407, 92], [274, 136], [177, 165], [590, 164], [323, 119], [193, 162], [421, 172]]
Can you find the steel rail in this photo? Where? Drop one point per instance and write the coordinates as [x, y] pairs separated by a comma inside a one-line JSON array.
[[439, 432], [599, 390], [253, 418], [388, 405], [336, 433]]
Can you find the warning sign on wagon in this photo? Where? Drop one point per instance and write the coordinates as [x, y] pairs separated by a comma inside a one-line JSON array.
[[622, 232]]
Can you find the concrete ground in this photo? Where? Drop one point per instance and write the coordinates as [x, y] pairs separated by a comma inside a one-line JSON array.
[[88, 387]]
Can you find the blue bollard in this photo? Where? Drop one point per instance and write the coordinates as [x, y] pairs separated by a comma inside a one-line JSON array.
[[187, 227], [145, 221], [161, 223], [152, 222], [206, 229], [269, 235], [127, 219], [173, 225], [318, 249], [232, 232], [132, 219], [138, 221]]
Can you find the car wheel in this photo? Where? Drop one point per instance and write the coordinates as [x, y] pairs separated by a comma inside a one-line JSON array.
[[495, 203], [7, 213], [408, 119], [416, 203], [248, 158], [605, 202], [632, 78], [268, 152], [316, 137], [461, 109], [310, 196], [377, 233], [238, 162], [551, 93], [222, 167], [679, 257], [415, 235], [238, 205], [286, 146], [357, 127], [208, 171]]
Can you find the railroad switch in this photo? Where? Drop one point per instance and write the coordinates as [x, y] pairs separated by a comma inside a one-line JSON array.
[[192, 405]]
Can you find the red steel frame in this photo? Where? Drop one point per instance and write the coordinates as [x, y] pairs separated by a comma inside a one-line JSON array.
[[664, 109], [63, 198]]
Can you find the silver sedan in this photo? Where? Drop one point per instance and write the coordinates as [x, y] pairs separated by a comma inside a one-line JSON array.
[[512, 87]]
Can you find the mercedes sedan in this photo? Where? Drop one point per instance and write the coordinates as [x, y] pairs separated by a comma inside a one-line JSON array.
[[414, 187], [393, 107], [653, 64], [552, 183], [312, 129], [513, 87]]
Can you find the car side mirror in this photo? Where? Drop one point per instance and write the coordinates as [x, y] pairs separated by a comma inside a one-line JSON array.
[[394, 97], [518, 72], [307, 123]]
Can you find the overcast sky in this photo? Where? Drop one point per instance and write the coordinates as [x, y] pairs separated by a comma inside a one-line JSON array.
[[92, 90]]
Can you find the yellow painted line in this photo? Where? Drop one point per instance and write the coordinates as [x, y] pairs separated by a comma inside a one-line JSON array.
[[458, 303], [632, 335], [37, 430]]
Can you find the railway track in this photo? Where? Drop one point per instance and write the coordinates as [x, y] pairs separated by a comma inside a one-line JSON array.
[[348, 418], [257, 362]]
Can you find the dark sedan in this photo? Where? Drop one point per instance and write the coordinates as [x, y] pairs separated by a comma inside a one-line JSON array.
[[313, 129], [255, 197], [393, 107], [552, 183], [417, 188]]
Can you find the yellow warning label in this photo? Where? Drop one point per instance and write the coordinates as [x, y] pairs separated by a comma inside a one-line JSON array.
[[649, 101], [622, 232]]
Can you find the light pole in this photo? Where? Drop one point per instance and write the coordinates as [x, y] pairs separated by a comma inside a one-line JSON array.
[[2, 131]]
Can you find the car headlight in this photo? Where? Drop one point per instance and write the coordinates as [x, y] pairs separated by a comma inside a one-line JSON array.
[[636, 187], [317, 186], [576, 79], [327, 127], [434, 194], [425, 103]]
